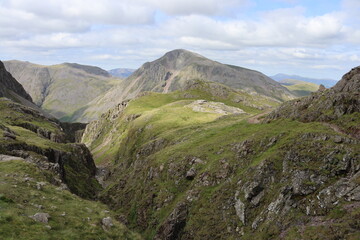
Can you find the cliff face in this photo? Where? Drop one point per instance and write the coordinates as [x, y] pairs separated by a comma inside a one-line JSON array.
[[9, 85], [28, 134], [40, 173]]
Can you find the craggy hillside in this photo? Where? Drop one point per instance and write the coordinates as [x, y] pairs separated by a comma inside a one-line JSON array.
[[184, 168], [338, 106], [38, 174]]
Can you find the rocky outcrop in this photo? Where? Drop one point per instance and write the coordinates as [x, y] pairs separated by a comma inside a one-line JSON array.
[[214, 107], [174, 224], [29, 135], [41, 217], [350, 82], [95, 128], [327, 105]]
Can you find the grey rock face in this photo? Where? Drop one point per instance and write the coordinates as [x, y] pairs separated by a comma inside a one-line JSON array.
[[41, 217], [107, 222], [174, 224], [239, 208], [190, 175]]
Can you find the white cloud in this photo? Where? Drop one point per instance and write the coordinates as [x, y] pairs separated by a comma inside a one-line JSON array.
[[201, 7], [91, 11], [327, 67], [130, 32]]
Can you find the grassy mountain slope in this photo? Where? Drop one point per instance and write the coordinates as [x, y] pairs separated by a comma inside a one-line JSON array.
[[71, 217], [175, 110], [61, 89], [206, 175], [174, 70], [37, 172], [299, 88]]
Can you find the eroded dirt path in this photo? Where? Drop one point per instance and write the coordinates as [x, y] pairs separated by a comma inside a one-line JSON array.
[[334, 127], [256, 118]]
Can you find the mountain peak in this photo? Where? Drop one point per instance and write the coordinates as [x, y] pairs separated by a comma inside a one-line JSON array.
[[182, 52]]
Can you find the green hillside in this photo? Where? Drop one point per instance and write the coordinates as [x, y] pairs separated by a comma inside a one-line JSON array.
[[208, 175], [40, 175], [62, 89], [300, 88]]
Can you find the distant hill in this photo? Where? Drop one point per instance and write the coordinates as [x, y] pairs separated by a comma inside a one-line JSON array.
[[61, 89], [173, 72], [10, 87], [326, 82], [121, 72], [13, 90], [299, 88]]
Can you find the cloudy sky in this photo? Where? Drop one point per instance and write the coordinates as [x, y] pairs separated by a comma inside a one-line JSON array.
[[315, 38]]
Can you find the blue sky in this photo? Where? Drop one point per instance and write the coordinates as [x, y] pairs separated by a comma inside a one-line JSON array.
[[305, 37]]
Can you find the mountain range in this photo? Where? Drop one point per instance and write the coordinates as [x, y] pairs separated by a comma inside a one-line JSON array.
[[174, 71], [326, 82], [185, 148], [121, 72]]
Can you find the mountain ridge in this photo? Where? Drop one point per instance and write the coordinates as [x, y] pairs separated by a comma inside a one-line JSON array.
[[171, 72], [61, 89]]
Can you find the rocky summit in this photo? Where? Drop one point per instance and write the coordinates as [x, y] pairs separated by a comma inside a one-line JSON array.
[[185, 148]]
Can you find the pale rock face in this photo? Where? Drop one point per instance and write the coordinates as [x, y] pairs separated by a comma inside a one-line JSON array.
[[214, 107], [107, 222], [4, 158], [41, 217], [239, 208]]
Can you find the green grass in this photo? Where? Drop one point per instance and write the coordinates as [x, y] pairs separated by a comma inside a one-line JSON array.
[[20, 199]]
